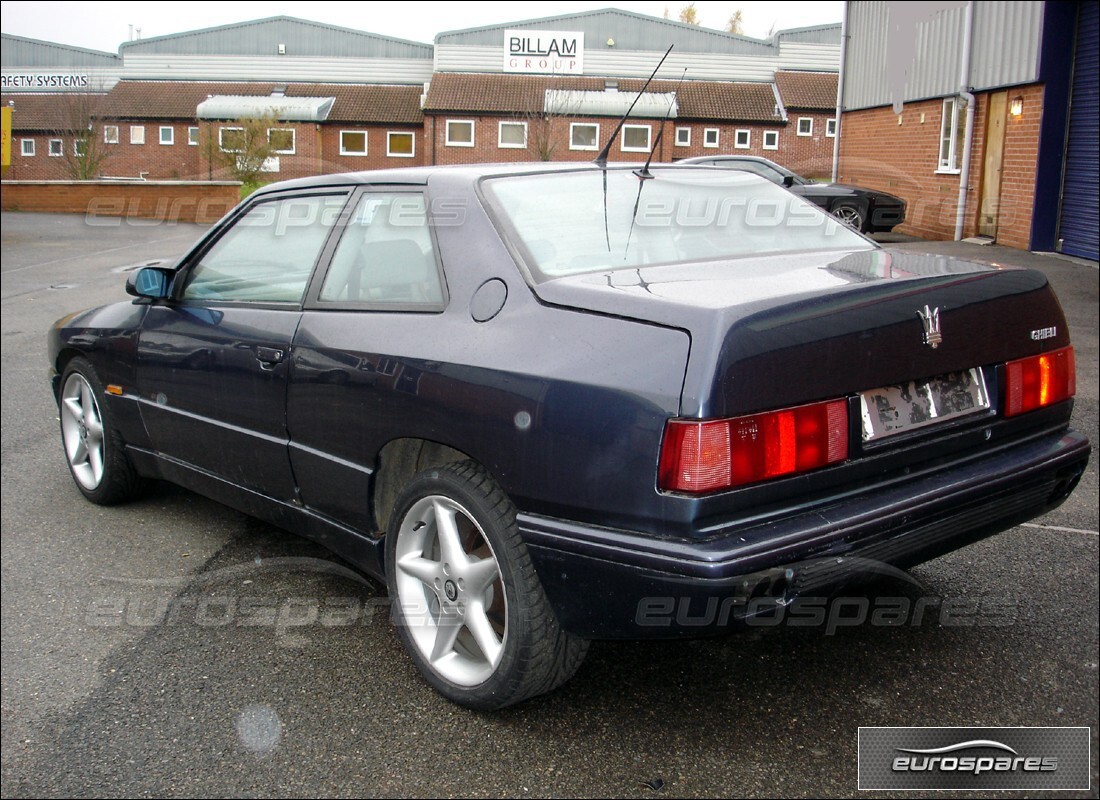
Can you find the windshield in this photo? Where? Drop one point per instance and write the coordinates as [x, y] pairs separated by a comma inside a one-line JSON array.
[[574, 222]]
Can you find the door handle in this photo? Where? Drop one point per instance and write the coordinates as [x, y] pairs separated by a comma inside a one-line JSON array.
[[269, 356]]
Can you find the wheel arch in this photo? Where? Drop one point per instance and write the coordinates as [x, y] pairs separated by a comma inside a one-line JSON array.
[[398, 461]]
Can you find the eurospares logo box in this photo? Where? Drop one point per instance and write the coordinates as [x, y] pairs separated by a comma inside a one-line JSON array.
[[981, 759]]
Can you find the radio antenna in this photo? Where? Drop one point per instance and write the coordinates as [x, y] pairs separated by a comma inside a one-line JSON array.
[[601, 159]]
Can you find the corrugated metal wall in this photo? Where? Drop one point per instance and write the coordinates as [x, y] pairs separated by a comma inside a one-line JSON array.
[[630, 32], [622, 63], [18, 51], [274, 68], [1005, 51], [262, 37], [817, 57]]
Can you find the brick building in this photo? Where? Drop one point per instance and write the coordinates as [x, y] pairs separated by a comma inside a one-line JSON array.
[[1026, 73], [350, 100]]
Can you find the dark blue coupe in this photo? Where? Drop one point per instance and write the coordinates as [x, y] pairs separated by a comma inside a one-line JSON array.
[[548, 404]]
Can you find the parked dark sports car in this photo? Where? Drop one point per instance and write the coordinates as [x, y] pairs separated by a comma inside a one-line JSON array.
[[548, 404], [865, 210]]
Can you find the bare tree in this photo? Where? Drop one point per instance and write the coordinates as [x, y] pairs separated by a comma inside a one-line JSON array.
[[736, 23], [81, 131], [242, 147]]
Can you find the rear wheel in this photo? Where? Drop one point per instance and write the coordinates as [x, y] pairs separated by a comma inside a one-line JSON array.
[[850, 214], [93, 447], [467, 602]]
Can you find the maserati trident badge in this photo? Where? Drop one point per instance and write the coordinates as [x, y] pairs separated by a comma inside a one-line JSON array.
[[930, 319]]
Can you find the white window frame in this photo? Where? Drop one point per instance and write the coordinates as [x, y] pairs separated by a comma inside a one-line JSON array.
[[171, 135], [221, 137], [648, 139], [193, 136], [137, 134], [24, 150], [77, 148], [809, 130], [737, 139], [774, 135], [574, 125], [683, 141], [458, 143], [500, 134], [389, 149], [951, 123], [366, 144], [712, 137], [55, 148], [293, 141], [830, 127], [110, 134]]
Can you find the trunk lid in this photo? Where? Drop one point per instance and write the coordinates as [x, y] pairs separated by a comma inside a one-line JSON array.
[[787, 329]]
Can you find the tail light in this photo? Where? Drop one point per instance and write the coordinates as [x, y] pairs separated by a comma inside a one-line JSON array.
[[711, 455], [1039, 381]]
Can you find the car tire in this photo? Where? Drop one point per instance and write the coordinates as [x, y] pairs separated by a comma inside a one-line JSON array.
[[852, 215], [466, 599], [94, 450]]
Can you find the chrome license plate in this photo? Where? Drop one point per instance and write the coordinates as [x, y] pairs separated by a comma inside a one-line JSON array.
[[891, 410]]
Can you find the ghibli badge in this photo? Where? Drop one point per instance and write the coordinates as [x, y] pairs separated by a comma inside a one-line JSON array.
[[930, 319]]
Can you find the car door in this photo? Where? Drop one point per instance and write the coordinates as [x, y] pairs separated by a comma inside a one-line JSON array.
[[213, 360], [362, 363]]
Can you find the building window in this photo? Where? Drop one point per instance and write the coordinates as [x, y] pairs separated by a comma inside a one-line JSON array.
[[584, 136], [231, 140], [741, 139], [281, 140], [110, 134], [683, 137], [167, 134], [710, 137], [137, 134], [193, 136], [635, 138], [951, 134], [80, 147], [805, 126], [27, 147], [512, 134], [771, 140], [353, 143], [56, 148], [830, 127], [400, 144], [460, 133]]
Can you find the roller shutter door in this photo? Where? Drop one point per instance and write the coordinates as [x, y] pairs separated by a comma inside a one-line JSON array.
[[1080, 228]]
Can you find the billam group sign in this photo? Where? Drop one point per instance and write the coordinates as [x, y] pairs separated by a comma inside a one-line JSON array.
[[544, 52]]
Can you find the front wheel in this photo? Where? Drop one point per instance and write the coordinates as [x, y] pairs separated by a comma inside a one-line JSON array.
[[467, 602], [93, 447], [851, 215]]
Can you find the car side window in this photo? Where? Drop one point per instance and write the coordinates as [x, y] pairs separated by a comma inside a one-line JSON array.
[[756, 168], [268, 253], [386, 255]]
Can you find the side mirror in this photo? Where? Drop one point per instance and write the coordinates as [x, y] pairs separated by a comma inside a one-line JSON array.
[[788, 181], [151, 282]]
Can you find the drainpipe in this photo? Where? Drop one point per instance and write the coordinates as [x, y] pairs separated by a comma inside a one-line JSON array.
[[840, 91], [968, 141]]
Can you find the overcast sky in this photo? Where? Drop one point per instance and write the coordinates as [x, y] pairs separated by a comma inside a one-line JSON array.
[[104, 26]]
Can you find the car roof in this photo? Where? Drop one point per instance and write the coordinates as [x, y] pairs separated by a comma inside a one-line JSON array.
[[472, 172]]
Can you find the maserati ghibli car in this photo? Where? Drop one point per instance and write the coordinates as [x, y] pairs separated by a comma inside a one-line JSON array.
[[547, 404], [866, 210]]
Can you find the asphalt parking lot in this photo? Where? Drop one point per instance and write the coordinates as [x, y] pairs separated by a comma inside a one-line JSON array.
[[172, 647]]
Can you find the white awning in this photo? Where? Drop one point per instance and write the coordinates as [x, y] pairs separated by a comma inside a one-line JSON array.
[[653, 105], [285, 109]]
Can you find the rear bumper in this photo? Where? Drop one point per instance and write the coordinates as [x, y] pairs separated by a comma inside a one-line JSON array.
[[606, 583]]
